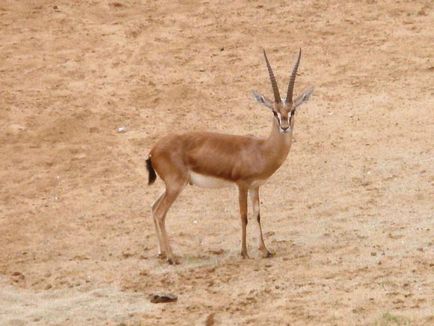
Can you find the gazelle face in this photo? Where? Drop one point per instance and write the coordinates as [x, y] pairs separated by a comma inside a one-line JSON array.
[[284, 111], [284, 115]]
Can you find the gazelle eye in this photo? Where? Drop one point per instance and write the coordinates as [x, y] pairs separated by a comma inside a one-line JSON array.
[[275, 113]]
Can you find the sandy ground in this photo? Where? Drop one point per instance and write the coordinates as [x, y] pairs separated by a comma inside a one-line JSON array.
[[354, 233]]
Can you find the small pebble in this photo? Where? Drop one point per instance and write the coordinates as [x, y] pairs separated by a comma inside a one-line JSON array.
[[163, 298]]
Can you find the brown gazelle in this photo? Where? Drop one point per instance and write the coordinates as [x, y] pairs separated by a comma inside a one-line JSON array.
[[214, 160]]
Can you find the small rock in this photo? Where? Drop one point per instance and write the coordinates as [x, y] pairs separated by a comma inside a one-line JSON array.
[[121, 130], [15, 129], [210, 320], [373, 253], [17, 277], [127, 254], [163, 298], [217, 252], [422, 12]]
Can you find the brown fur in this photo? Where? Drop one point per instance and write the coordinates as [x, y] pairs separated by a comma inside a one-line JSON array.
[[229, 157]]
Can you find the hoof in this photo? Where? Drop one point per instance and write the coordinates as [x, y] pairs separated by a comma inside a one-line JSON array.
[[161, 255], [173, 261], [267, 254], [245, 255]]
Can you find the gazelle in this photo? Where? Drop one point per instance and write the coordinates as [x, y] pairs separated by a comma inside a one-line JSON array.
[[214, 160]]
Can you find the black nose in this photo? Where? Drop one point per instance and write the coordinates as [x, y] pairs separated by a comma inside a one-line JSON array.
[[284, 128]]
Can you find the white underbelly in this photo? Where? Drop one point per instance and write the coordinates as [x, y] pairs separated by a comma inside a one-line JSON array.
[[207, 181]]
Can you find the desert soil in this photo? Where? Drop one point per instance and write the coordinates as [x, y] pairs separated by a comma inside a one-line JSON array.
[[349, 215]]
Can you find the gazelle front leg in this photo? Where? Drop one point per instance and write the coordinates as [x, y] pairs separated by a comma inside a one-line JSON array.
[[243, 212], [254, 197]]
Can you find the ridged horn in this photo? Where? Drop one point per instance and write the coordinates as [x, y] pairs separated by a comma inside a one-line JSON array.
[[292, 79], [277, 98]]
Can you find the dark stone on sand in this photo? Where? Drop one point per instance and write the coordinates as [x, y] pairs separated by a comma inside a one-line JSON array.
[[163, 298]]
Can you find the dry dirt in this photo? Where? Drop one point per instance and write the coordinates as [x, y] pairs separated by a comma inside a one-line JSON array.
[[350, 214]]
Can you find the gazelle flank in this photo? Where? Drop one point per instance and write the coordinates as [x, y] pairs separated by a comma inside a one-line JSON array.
[[212, 160]]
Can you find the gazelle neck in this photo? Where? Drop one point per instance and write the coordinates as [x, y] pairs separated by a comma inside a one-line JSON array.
[[278, 139], [278, 144]]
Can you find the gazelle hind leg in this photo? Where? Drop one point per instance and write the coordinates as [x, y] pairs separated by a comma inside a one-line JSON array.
[[254, 197], [161, 249], [173, 189]]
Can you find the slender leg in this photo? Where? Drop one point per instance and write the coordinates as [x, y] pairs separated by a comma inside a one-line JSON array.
[[173, 189], [254, 197], [161, 251], [243, 213]]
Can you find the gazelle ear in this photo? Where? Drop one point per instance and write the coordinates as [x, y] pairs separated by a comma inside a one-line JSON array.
[[303, 97], [263, 100]]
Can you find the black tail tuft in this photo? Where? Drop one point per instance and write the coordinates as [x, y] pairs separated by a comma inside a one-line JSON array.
[[151, 171]]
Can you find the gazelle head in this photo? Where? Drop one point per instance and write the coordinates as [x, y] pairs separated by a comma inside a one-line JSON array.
[[284, 110]]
